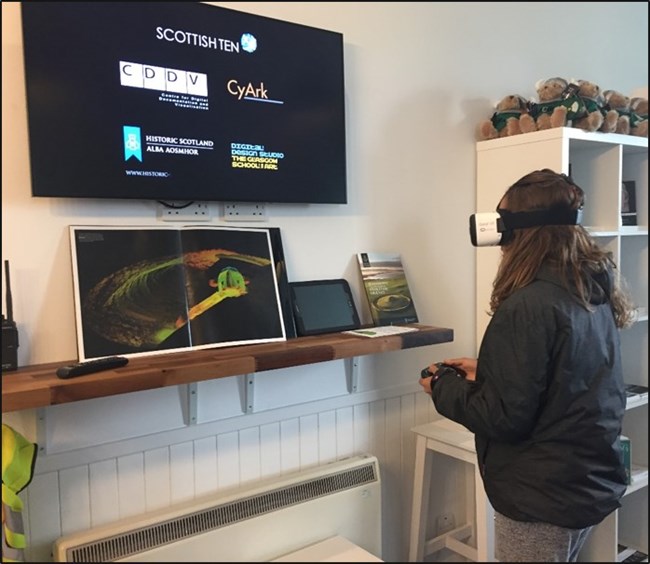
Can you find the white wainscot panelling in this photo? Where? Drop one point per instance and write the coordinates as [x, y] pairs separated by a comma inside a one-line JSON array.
[[130, 478], [73, 498], [205, 466], [104, 492], [181, 463], [308, 437], [157, 478]]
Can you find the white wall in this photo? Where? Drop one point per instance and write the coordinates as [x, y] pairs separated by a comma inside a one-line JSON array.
[[419, 77]]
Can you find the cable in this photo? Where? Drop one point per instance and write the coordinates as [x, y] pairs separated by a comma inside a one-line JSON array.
[[168, 205]]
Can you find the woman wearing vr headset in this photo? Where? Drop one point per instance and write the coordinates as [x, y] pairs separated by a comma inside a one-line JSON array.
[[545, 399]]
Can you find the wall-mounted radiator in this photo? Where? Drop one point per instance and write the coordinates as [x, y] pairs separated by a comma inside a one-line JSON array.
[[263, 522]]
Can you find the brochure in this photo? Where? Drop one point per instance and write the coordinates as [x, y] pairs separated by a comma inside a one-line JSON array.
[[384, 331], [386, 288]]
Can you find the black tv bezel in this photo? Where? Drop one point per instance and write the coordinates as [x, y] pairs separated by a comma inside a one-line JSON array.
[[302, 192]]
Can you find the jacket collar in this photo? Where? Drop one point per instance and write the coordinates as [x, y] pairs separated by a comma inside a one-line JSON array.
[[600, 287]]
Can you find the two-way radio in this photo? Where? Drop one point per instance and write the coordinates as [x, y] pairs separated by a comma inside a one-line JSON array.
[[9, 331]]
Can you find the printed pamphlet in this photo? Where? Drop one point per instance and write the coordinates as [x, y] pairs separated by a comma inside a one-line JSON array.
[[386, 288], [383, 331]]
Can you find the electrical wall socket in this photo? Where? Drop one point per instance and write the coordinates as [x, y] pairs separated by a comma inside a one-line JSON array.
[[196, 211], [244, 212], [445, 523]]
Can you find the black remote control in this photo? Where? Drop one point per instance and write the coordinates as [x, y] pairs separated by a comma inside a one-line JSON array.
[[440, 368], [91, 366]]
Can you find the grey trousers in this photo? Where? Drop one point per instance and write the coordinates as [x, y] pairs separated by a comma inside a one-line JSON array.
[[519, 541]]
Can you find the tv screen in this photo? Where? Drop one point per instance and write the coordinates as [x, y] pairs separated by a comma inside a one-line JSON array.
[[182, 101]]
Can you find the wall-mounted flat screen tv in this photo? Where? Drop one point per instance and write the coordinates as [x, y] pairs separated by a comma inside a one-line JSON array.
[[182, 101]]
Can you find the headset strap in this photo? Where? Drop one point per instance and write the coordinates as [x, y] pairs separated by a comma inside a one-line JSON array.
[[535, 218]]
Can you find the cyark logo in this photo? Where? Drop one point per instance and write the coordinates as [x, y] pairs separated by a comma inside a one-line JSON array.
[[250, 92]]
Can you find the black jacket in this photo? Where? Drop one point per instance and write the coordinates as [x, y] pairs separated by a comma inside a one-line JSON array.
[[547, 406]]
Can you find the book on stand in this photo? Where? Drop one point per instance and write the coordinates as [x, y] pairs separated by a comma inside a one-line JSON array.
[[626, 447], [633, 390], [386, 287], [635, 395], [150, 290], [628, 202], [630, 554]]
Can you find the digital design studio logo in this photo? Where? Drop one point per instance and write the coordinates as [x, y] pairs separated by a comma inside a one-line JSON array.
[[132, 143]]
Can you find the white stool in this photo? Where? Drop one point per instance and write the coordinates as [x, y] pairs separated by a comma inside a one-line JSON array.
[[451, 439]]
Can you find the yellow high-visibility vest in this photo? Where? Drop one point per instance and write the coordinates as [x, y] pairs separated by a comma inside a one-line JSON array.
[[18, 459]]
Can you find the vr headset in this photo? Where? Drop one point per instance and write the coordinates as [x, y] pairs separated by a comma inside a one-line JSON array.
[[496, 228]]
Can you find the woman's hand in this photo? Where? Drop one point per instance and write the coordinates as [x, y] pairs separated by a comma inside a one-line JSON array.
[[426, 382], [466, 364]]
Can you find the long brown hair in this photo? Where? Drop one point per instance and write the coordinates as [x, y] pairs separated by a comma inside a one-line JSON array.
[[568, 249]]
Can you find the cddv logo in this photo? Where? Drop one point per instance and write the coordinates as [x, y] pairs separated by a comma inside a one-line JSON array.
[[151, 77], [132, 142]]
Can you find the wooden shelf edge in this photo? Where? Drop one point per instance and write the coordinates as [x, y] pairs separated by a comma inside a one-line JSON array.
[[38, 386]]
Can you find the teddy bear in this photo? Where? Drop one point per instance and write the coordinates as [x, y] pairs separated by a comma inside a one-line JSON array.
[[620, 103], [594, 111], [639, 116], [558, 103], [510, 118]]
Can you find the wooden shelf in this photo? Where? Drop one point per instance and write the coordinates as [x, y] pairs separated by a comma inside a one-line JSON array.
[[38, 386]]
